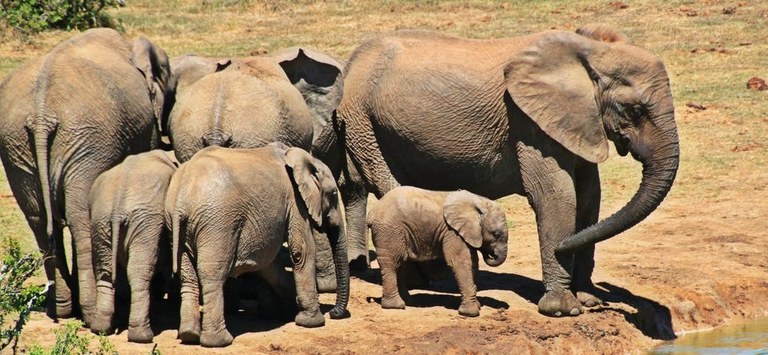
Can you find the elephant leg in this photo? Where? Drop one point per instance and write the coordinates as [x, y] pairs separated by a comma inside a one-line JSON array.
[[79, 223], [59, 297], [392, 289], [462, 262], [142, 262], [189, 311], [550, 191], [588, 207], [214, 262], [364, 149], [105, 290], [301, 245]]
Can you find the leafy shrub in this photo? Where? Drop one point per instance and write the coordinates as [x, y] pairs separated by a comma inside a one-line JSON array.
[[31, 16], [68, 341], [16, 298]]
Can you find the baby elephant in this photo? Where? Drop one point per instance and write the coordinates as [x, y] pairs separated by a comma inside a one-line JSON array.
[[414, 225], [128, 221]]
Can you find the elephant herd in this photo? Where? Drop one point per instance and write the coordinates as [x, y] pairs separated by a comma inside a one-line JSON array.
[[199, 169]]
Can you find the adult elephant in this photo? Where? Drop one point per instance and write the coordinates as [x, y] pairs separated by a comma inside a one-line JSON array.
[[287, 96], [65, 118], [530, 115]]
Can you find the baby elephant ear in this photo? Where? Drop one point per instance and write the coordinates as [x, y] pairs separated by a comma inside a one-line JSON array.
[[305, 177], [463, 214]]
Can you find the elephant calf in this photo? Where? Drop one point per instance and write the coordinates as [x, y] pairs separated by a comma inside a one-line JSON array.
[[411, 224], [128, 220], [230, 211]]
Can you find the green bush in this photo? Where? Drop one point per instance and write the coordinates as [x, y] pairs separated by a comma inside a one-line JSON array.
[[17, 299], [68, 341], [31, 16]]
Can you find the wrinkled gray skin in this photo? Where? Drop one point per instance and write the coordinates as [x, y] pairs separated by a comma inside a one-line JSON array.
[[287, 96], [230, 211], [529, 115], [414, 225], [65, 118], [128, 222]]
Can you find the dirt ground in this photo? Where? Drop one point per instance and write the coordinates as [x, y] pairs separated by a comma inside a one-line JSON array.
[[692, 265]]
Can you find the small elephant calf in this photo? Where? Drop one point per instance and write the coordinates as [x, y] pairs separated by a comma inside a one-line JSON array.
[[127, 207], [411, 224]]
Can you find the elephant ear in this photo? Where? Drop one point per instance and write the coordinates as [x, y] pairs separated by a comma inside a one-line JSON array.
[[190, 68], [305, 176], [153, 64], [463, 213], [552, 82], [603, 33], [317, 76]]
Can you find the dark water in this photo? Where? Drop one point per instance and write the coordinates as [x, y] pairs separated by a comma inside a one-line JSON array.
[[750, 338]]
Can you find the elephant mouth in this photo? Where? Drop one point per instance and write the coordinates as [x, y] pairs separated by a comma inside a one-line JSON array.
[[493, 259]]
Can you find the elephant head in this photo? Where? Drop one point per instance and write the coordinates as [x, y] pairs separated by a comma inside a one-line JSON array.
[[153, 64], [317, 187], [480, 222], [583, 93]]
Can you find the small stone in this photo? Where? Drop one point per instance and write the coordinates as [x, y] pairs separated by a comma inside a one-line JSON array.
[[757, 84]]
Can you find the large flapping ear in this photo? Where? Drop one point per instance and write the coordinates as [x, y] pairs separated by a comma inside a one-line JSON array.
[[190, 68], [552, 82], [603, 33], [305, 176], [154, 65], [316, 75], [463, 213]]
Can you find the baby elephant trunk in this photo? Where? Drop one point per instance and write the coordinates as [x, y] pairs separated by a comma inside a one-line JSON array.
[[496, 255]]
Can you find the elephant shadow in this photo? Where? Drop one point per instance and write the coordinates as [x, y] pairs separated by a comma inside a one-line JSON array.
[[651, 318]]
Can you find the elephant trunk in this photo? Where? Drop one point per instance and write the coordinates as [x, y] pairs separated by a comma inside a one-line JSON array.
[[497, 257], [338, 240], [660, 161]]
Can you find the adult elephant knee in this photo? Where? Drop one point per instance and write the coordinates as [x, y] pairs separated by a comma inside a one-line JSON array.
[[531, 115], [287, 96], [65, 118]]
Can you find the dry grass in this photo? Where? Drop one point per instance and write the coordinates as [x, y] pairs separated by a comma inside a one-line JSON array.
[[711, 48]]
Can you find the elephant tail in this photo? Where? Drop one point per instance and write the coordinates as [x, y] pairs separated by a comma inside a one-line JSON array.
[[116, 224], [41, 127], [217, 137], [175, 230]]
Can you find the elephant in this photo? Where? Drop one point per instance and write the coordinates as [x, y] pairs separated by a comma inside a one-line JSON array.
[[230, 210], [530, 115], [286, 96], [417, 225], [127, 205], [65, 118]]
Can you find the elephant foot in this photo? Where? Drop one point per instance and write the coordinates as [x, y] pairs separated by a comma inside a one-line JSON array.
[[216, 339], [88, 316], [559, 303], [59, 309], [140, 335], [339, 313], [326, 284], [392, 303], [587, 299], [308, 319], [189, 334], [102, 325], [470, 308]]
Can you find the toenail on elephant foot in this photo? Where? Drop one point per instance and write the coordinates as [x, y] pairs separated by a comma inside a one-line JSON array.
[[588, 299], [216, 339], [141, 335], [310, 319], [559, 303]]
